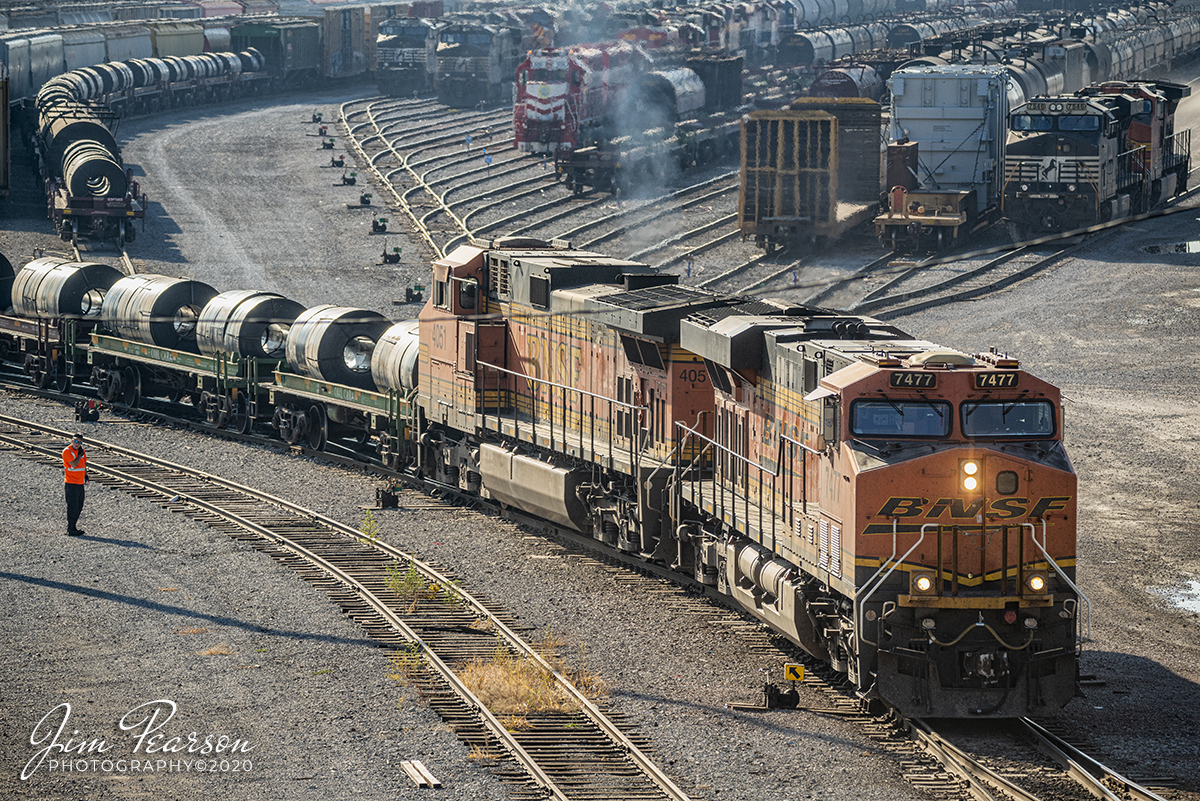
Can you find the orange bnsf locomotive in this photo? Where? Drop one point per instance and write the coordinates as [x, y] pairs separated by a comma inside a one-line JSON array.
[[905, 511]]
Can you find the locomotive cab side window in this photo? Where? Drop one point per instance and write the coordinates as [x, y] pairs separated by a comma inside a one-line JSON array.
[[896, 418], [468, 291], [1004, 419], [440, 297]]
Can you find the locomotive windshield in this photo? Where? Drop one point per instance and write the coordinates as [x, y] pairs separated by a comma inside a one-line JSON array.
[[1008, 419], [1039, 122], [1028, 122], [893, 418]]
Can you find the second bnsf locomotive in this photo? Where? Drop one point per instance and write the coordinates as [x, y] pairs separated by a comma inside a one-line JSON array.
[[1108, 151], [904, 510]]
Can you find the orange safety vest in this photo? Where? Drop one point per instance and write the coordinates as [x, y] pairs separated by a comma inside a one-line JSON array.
[[74, 465]]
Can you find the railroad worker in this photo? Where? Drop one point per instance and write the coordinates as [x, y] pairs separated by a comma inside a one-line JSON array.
[[467, 139], [74, 478], [489, 133]]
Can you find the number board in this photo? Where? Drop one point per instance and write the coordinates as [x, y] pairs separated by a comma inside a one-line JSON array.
[[913, 380], [996, 380]]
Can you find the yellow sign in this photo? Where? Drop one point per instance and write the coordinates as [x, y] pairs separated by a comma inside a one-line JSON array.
[[793, 672]]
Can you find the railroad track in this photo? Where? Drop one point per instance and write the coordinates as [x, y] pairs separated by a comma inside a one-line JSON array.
[[119, 255], [437, 626], [1023, 761], [931, 284]]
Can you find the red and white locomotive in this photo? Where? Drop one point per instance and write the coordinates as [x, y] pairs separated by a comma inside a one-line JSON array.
[[565, 94]]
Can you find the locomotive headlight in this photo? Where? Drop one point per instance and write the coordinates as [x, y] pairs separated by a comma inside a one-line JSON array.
[[1030, 622], [1024, 187], [1070, 187], [969, 471], [922, 583], [1035, 582], [928, 623]]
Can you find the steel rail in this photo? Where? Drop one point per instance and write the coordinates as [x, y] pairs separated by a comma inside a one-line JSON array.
[[703, 246], [634, 207], [593, 712], [875, 299], [1098, 779], [632, 226], [888, 312], [825, 291], [362, 154], [957, 762], [682, 235]]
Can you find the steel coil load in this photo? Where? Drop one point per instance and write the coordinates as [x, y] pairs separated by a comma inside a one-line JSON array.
[[394, 363], [74, 123], [334, 343], [6, 282], [89, 170], [157, 309], [252, 60], [50, 288], [246, 322]]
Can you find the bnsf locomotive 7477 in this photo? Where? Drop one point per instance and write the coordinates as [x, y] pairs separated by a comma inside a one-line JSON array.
[[904, 510]]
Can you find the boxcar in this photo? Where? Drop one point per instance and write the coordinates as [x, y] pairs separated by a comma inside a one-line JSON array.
[[292, 48], [177, 38], [344, 35]]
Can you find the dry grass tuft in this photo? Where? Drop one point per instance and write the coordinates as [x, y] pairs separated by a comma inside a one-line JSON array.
[[216, 650], [516, 723], [481, 752], [168, 589], [192, 630], [511, 685], [482, 624]]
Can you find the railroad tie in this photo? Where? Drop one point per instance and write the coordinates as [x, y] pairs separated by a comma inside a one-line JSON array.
[[420, 774]]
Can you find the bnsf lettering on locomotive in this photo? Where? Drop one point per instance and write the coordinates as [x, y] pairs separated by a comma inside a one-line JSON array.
[[957, 506], [919, 380], [1002, 508], [995, 380]]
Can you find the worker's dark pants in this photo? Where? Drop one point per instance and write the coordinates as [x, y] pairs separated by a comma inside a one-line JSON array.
[[74, 505]]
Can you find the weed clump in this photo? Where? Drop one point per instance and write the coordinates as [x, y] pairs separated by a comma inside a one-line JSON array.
[[513, 685]]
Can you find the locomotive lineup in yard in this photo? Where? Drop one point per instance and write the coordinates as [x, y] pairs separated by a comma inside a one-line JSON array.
[[903, 510]]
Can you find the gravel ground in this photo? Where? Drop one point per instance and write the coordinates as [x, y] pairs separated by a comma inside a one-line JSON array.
[[124, 616], [1094, 330]]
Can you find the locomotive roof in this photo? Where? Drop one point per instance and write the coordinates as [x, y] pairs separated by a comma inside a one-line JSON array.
[[739, 340], [652, 305]]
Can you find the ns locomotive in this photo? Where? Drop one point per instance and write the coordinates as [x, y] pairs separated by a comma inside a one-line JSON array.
[[904, 510], [1104, 153]]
